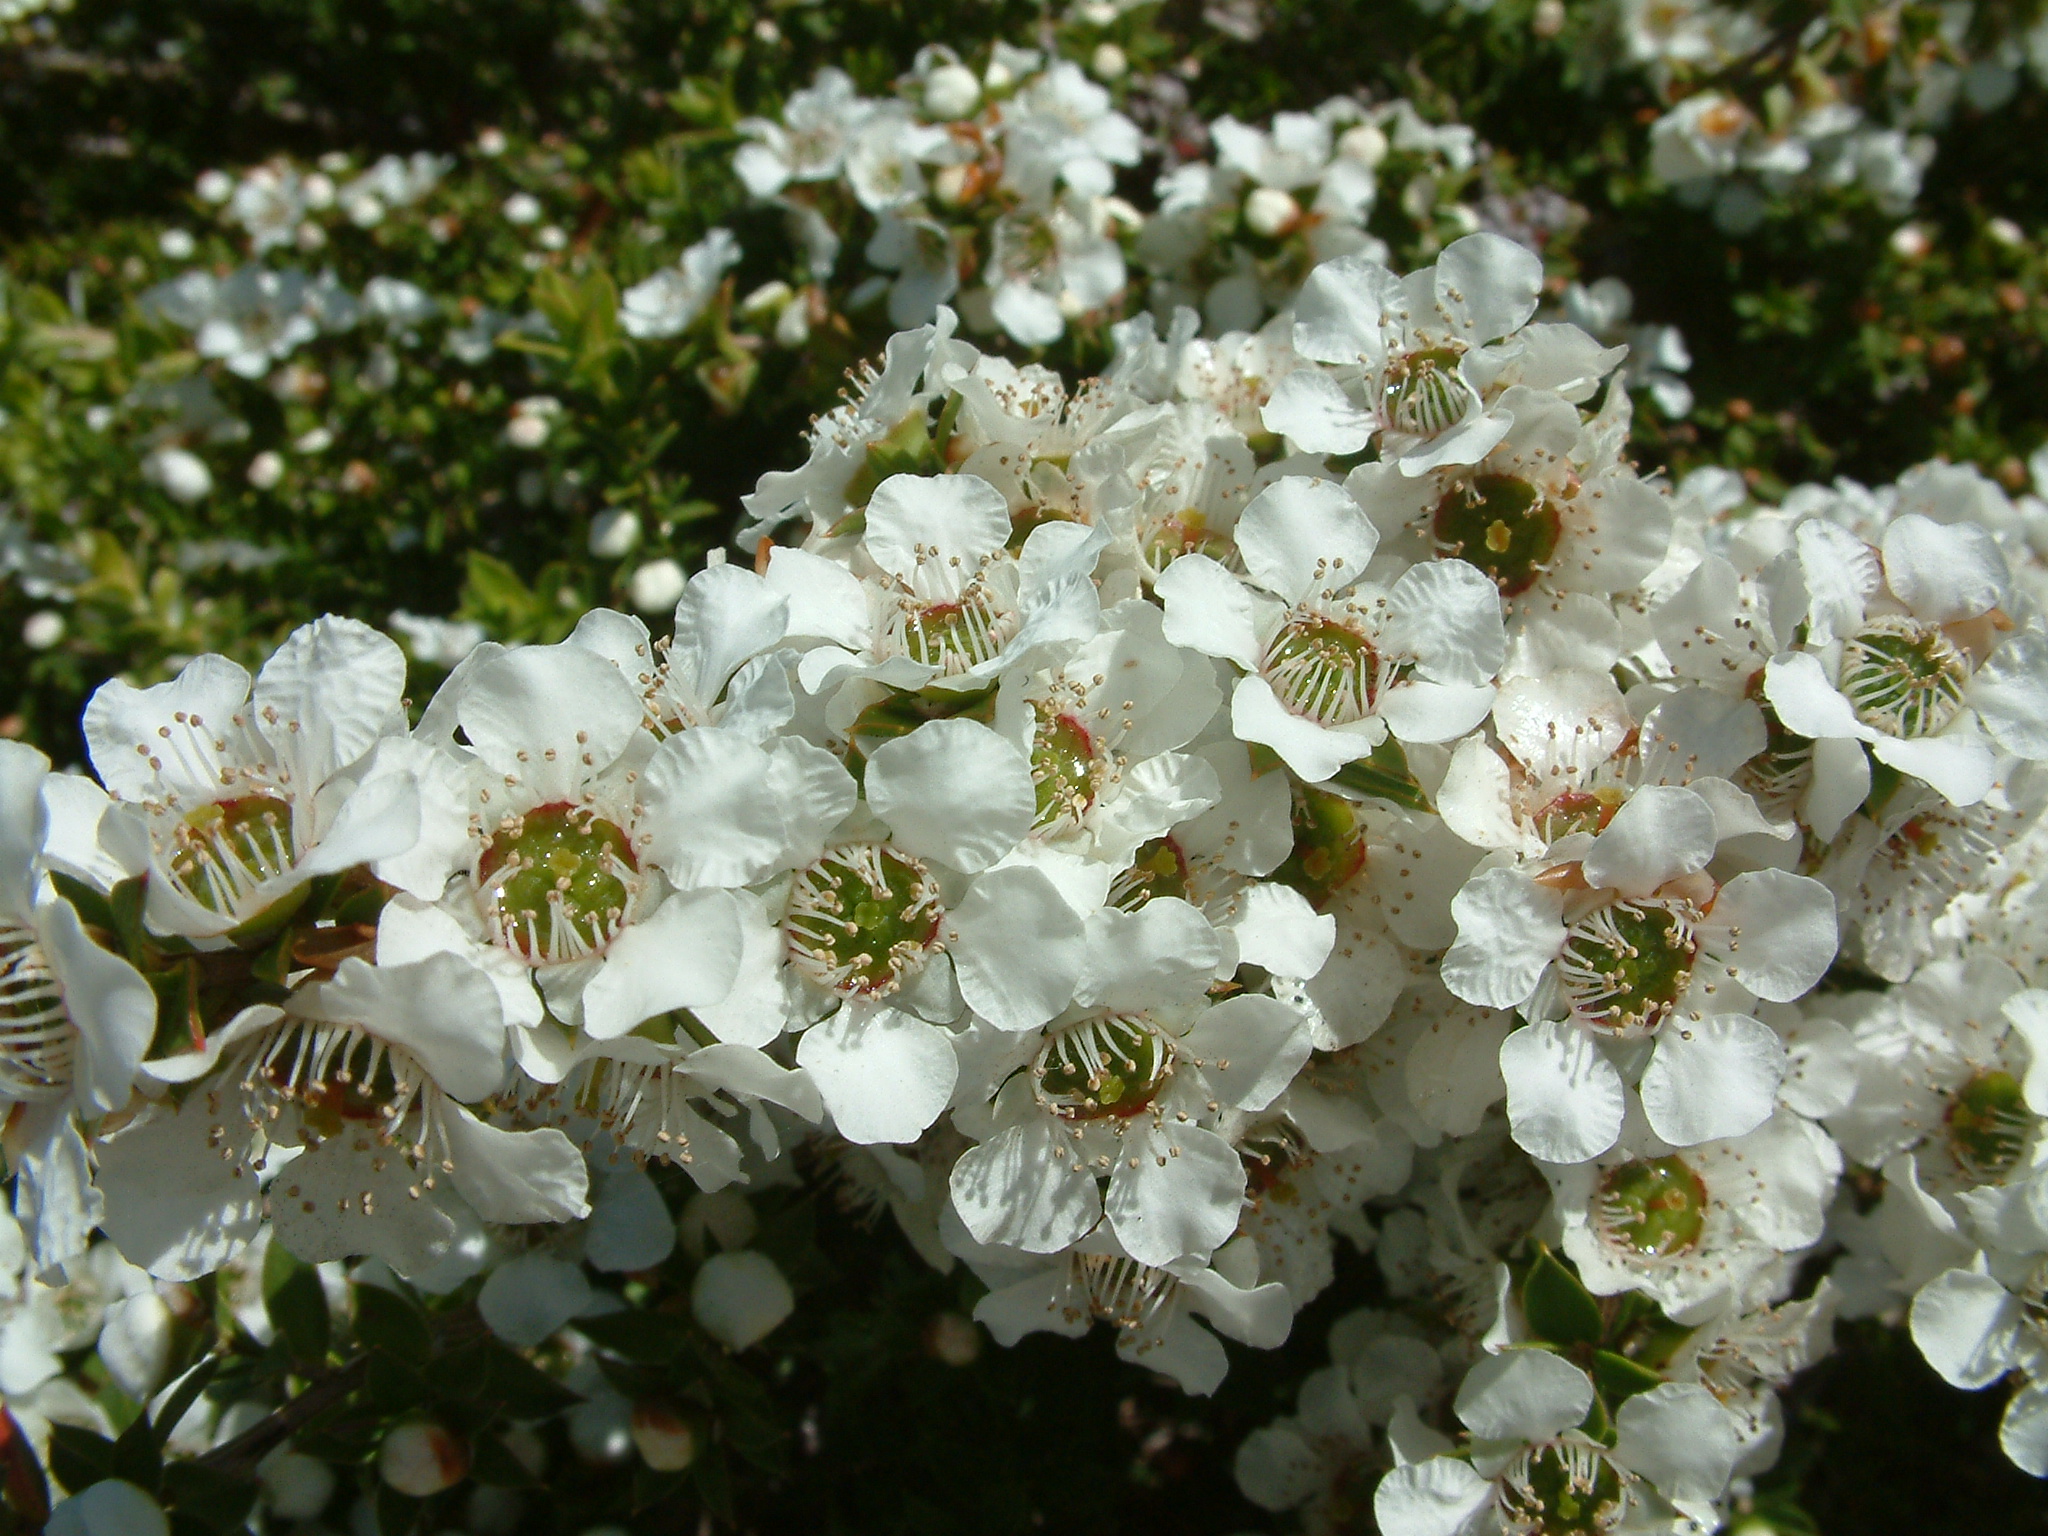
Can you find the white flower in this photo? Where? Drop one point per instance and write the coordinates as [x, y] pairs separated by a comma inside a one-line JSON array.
[[1335, 654], [670, 301], [1638, 941], [810, 142], [240, 798]]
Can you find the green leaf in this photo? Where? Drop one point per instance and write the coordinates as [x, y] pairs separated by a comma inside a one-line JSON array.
[[137, 1457], [93, 908], [79, 1457], [1384, 775], [495, 1467], [1620, 1378], [297, 1304], [209, 1500], [180, 1402], [1559, 1309], [645, 1338], [504, 1381], [388, 1321]]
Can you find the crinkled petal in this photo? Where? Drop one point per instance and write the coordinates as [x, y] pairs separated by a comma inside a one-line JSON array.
[[1712, 1078], [1565, 1099], [953, 791], [884, 1076]]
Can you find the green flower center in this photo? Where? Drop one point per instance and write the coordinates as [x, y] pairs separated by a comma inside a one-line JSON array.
[[1186, 532], [1323, 671], [1653, 1207], [36, 1037], [557, 882], [1502, 524], [1561, 1489], [1424, 395], [1158, 869], [1626, 966], [862, 919], [1329, 845], [1988, 1126], [1270, 1152], [225, 850], [1064, 769], [1903, 677], [954, 636], [1781, 773], [1110, 1067]]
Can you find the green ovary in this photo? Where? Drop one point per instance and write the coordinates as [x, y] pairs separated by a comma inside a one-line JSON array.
[[557, 882], [1425, 396], [1112, 1066], [1626, 966], [1904, 677], [226, 849], [1323, 671], [1502, 524], [1653, 1207], [1988, 1123], [1158, 869], [862, 918], [1063, 769], [1561, 1489]]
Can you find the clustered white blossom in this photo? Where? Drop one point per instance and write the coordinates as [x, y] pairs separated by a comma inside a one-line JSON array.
[[994, 191], [1303, 783]]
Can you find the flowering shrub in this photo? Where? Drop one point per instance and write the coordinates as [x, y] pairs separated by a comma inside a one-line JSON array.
[[1212, 788]]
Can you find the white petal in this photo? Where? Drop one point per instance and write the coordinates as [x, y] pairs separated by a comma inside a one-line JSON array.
[[1961, 769], [316, 1207], [1680, 1437], [1438, 1497], [719, 809], [727, 615], [954, 791], [1026, 1189], [1017, 948], [740, 1298], [630, 1225], [328, 693], [442, 1009], [110, 1507], [1565, 1099], [1175, 1192], [113, 1008], [136, 734], [526, 1299], [1805, 701], [1312, 411], [1966, 1324], [535, 714], [1301, 535], [1338, 316], [1660, 833], [1313, 751], [1208, 610], [883, 1075], [1489, 282], [1841, 782], [1419, 711], [175, 1206], [1509, 930], [1165, 952], [1277, 929], [919, 520], [1446, 614], [826, 600], [1712, 1078], [2023, 1431], [1523, 1394], [1249, 1048], [1781, 932], [685, 956], [2010, 695], [1944, 571], [515, 1176]]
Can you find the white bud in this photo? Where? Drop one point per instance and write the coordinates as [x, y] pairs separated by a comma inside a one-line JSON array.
[[491, 142], [319, 440], [953, 1339], [740, 1298], [214, 186], [724, 1216], [1910, 242], [108, 1508], [526, 431], [656, 587], [266, 469], [319, 191], [551, 237], [1366, 143], [950, 183], [665, 1441], [295, 1487], [181, 475], [40, 631], [522, 208], [951, 91], [1548, 18], [793, 325], [998, 77], [1108, 62], [613, 533], [177, 244], [1270, 212], [309, 236], [767, 299], [420, 1459], [2005, 232], [365, 210]]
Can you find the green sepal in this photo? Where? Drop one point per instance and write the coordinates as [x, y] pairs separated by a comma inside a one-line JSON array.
[[296, 1304], [1384, 775], [1620, 1378], [1559, 1309]]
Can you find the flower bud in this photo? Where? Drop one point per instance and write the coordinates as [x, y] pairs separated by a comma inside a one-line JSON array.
[[266, 469], [40, 631], [740, 1298], [295, 1486], [177, 244], [951, 91], [613, 533], [1366, 143], [1270, 212], [1109, 62], [664, 1439], [421, 1458], [182, 476], [656, 587]]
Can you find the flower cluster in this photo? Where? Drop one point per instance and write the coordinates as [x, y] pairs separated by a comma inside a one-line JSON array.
[[1302, 784], [994, 190]]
